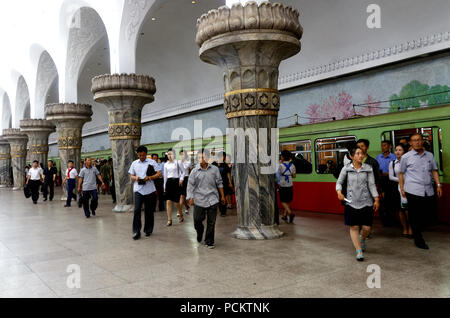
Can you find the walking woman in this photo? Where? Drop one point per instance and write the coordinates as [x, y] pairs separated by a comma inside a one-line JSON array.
[[286, 171], [361, 193], [185, 164], [173, 181], [402, 203]]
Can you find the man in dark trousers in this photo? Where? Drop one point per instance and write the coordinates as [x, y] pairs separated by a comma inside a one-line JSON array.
[[144, 191], [88, 179], [202, 193], [418, 169], [34, 180], [49, 180]]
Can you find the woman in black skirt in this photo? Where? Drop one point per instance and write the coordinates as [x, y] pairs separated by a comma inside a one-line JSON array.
[[173, 182], [185, 164]]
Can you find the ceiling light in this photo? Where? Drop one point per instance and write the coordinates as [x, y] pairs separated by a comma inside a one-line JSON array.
[[153, 19], [193, 2]]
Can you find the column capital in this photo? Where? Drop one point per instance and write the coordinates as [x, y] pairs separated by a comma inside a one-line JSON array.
[[18, 142], [37, 125], [68, 113]]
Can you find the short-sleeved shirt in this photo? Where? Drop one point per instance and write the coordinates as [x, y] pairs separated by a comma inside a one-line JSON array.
[[139, 169], [417, 170], [384, 162], [286, 174], [89, 178], [73, 173], [49, 173], [35, 173]]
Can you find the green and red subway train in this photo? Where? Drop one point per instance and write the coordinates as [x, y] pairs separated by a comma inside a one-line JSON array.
[[322, 146]]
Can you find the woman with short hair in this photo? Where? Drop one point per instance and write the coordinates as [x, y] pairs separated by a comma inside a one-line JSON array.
[[361, 199]]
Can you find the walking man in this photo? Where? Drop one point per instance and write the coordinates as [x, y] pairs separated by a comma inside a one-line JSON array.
[[143, 172], [159, 184], [88, 179], [202, 193], [71, 178], [49, 180], [34, 179], [417, 171]]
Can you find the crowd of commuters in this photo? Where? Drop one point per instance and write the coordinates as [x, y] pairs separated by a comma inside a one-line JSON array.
[[400, 184]]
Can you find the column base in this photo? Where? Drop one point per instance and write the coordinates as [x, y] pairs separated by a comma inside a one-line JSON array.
[[123, 208], [17, 188], [257, 233], [2, 186]]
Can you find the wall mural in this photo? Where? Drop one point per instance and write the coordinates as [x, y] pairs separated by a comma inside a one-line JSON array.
[[421, 84]]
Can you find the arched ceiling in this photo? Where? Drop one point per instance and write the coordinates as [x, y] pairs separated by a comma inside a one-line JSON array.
[[46, 84], [22, 107]]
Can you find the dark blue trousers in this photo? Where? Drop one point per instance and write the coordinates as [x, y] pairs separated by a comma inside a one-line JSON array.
[[71, 184], [93, 196]]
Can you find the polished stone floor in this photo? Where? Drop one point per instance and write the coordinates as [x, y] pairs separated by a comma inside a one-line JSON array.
[[314, 259]]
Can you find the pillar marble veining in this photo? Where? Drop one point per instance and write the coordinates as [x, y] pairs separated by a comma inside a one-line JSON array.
[[37, 131], [5, 162], [248, 43], [18, 143], [69, 120], [124, 96]]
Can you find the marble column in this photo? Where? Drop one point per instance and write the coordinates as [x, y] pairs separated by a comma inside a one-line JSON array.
[[5, 162], [248, 43], [124, 96], [18, 143], [69, 120], [37, 131]]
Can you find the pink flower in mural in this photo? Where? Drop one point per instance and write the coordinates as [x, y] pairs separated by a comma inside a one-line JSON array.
[[339, 107], [313, 112], [371, 107]]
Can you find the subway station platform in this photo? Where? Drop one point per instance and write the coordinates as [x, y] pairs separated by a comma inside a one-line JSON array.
[[315, 258]]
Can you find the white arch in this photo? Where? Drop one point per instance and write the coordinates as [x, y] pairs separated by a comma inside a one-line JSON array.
[[45, 74], [22, 102], [5, 111]]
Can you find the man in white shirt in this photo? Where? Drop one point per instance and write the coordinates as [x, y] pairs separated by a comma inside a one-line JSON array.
[[71, 178], [34, 178], [144, 191]]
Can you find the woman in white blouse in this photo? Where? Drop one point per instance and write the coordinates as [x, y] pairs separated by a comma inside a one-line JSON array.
[[186, 164], [173, 181], [394, 170]]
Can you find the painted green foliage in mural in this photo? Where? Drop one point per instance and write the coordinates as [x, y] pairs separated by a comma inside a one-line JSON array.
[[430, 96]]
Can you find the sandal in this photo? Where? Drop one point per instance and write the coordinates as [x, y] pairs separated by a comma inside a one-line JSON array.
[[359, 256], [169, 223]]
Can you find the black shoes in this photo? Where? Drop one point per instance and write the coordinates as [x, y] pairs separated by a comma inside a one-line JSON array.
[[136, 236], [291, 218], [93, 213], [45, 199], [34, 202], [148, 234], [423, 246], [199, 238], [67, 206]]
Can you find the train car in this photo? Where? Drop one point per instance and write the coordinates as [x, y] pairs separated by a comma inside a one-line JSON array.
[[320, 147]]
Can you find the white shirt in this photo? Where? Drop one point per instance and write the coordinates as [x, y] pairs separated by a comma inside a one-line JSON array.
[[173, 170], [73, 173], [186, 166], [35, 173], [139, 169], [393, 176]]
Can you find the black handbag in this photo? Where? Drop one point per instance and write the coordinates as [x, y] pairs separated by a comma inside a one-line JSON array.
[[150, 171], [27, 191]]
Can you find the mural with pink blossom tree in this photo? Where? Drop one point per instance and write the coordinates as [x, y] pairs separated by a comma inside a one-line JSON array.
[[340, 107]]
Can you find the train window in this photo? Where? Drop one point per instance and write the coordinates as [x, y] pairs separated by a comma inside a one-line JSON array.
[[431, 135], [301, 151], [330, 153]]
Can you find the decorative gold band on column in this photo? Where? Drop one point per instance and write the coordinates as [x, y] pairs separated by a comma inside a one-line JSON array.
[[125, 131], [251, 90], [18, 156], [37, 153], [69, 147], [252, 112], [5, 158]]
